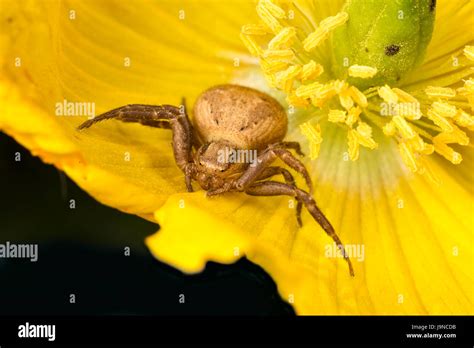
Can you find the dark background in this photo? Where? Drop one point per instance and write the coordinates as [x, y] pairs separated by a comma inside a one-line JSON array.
[[81, 252]]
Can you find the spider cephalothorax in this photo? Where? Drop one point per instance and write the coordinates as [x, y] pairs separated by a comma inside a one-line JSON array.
[[236, 135]]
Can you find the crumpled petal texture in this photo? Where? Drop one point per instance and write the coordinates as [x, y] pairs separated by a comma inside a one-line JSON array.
[[417, 236]]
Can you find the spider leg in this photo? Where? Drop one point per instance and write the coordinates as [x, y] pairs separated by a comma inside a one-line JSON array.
[[196, 143], [159, 116], [264, 160], [292, 145], [273, 188], [223, 189], [269, 172], [281, 150]]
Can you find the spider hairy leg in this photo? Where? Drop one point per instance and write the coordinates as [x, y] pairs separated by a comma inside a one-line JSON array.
[[289, 179], [292, 145], [265, 159], [159, 116], [273, 188]]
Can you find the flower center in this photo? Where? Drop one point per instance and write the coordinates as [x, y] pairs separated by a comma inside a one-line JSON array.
[[358, 95]]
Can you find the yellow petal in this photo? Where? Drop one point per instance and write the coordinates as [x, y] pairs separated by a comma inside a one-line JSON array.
[[417, 237]]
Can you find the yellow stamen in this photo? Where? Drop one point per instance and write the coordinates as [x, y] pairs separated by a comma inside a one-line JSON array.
[[457, 136], [254, 29], [410, 111], [304, 88], [469, 52], [323, 94], [279, 54], [427, 150], [272, 67], [468, 88], [293, 99], [254, 49], [336, 116], [345, 99], [313, 134], [306, 91], [285, 79], [314, 39], [409, 107], [403, 127], [290, 73], [389, 129], [364, 136], [364, 129], [440, 121], [287, 85], [404, 96], [470, 98], [358, 96], [353, 143], [420, 146], [311, 70], [283, 39], [408, 156], [331, 23], [362, 71], [440, 92], [387, 94], [469, 85], [353, 116], [322, 32], [274, 9], [339, 85], [444, 109], [463, 119], [468, 92], [267, 17], [447, 152]]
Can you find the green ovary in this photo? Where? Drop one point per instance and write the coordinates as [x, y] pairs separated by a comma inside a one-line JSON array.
[[389, 35]]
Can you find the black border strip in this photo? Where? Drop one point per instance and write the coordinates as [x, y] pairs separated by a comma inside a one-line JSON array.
[[259, 330]]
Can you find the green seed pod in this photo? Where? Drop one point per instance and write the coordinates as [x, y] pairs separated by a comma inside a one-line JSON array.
[[389, 35]]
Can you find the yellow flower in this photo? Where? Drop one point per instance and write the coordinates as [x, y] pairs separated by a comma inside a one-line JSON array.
[[412, 237]]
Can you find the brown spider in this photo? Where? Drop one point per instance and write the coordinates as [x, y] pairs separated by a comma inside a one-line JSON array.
[[230, 120]]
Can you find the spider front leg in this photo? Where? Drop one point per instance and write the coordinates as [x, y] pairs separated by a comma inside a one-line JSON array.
[[269, 172], [269, 155], [273, 188], [264, 159], [293, 145], [159, 116]]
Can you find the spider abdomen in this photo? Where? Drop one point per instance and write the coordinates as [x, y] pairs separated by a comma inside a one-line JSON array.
[[241, 116]]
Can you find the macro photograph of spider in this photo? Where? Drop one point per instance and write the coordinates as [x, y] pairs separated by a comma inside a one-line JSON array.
[[231, 117], [255, 157]]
